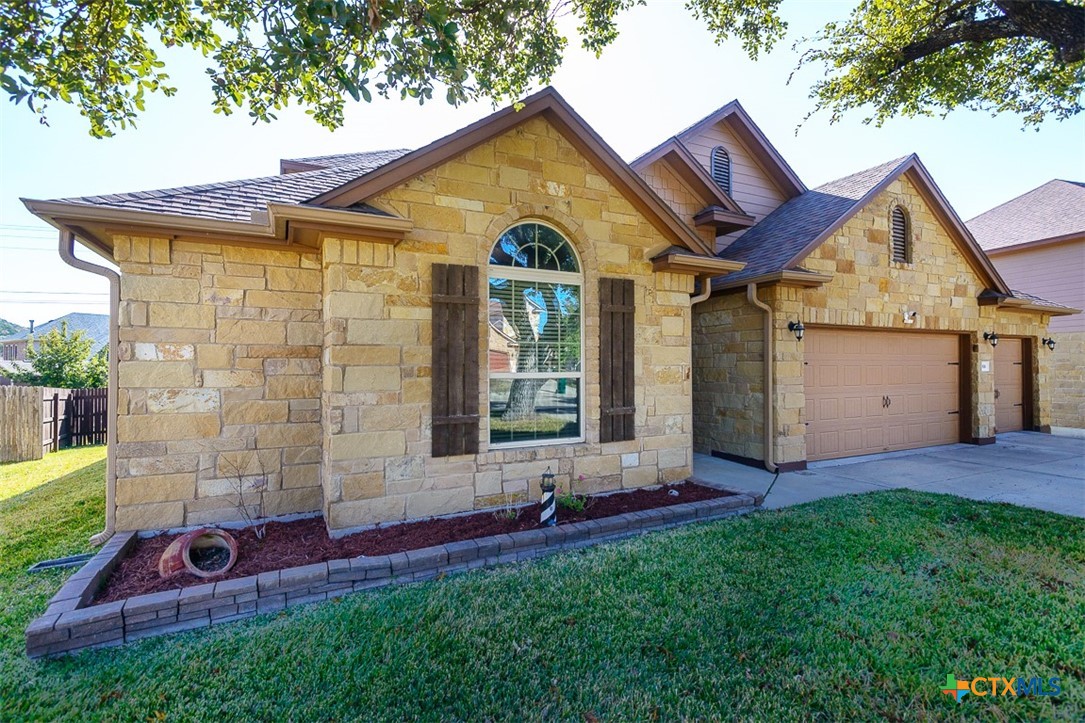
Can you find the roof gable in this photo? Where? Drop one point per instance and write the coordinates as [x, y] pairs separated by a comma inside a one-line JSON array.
[[1052, 211], [550, 105], [783, 239], [748, 132]]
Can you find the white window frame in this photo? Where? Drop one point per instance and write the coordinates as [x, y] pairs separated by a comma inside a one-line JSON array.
[[518, 273]]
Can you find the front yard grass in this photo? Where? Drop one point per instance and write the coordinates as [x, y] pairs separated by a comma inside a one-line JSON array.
[[847, 608]]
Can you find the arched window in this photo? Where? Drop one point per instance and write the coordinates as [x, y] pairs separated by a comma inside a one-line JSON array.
[[534, 337], [721, 168], [900, 236]]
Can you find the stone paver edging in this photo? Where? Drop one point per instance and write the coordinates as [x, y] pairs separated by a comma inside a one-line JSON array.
[[70, 623]]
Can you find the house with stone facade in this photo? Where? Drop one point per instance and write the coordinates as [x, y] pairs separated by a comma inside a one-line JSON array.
[[1037, 243], [393, 335]]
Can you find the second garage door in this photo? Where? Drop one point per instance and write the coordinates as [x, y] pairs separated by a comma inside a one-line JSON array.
[[869, 391]]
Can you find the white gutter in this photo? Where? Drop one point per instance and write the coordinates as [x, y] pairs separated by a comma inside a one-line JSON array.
[[67, 254], [751, 295]]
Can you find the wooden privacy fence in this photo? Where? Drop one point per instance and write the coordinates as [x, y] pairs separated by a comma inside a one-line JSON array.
[[36, 420]]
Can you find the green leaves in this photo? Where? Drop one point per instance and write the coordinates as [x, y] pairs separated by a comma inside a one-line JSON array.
[[100, 56], [60, 359], [902, 57]]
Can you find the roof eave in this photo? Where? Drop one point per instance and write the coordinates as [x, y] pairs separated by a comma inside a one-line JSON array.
[[1036, 243], [723, 221], [803, 279], [680, 263], [270, 227]]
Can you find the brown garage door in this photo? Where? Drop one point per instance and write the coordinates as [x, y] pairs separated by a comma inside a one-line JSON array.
[[1009, 386], [870, 391]]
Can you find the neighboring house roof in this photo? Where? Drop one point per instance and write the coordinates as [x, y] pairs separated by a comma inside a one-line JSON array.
[[781, 240], [95, 326], [1051, 211], [742, 124]]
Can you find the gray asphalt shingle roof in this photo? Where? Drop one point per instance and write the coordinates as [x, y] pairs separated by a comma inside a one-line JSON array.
[[95, 326], [1056, 208], [771, 244], [1038, 299], [237, 200], [352, 159]]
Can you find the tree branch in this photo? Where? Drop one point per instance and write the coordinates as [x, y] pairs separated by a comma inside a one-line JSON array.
[[1058, 23]]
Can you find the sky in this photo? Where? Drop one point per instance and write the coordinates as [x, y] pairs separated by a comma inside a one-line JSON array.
[[663, 73]]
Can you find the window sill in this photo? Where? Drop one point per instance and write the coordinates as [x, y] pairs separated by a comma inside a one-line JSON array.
[[500, 446]]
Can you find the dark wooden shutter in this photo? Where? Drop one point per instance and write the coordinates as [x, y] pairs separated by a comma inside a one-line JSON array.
[[899, 233], [455, 360], [616, 360]]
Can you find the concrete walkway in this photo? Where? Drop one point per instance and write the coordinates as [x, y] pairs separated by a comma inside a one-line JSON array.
[[1023, 468]]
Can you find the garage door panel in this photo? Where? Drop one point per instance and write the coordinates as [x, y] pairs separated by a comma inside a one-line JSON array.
[[915, 371], [828, 409], [895, 375], [852, 441]]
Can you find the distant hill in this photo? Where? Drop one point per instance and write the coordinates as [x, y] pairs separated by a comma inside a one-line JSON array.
[[6, 327]]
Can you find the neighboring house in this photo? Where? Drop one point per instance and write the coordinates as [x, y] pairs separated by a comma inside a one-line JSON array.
[[13, 347], [392, 335], [1037, 243]]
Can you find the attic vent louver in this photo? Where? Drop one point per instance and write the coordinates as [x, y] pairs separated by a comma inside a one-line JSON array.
[[898, 232], [721, 168]]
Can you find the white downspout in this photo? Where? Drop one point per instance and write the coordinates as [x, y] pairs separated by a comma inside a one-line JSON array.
[[67, 253], [751, 295]]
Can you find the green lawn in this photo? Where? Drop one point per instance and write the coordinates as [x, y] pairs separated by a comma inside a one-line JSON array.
[[849, 608]]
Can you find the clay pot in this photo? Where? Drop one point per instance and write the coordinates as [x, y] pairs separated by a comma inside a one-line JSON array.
[[178, 556]]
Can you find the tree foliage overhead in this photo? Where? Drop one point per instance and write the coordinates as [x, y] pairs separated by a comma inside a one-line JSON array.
[[59, 359], [917, 57], [900, 56]]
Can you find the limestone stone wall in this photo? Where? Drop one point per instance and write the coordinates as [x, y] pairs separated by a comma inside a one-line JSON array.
[[376, 388], [1068, 380], [728, 389], [219, 376], [867, 291]]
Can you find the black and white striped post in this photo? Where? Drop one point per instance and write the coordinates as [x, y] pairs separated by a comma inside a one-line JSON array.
[[548, 505]]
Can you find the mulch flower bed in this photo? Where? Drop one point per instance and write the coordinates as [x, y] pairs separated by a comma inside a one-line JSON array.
[[305, 542]]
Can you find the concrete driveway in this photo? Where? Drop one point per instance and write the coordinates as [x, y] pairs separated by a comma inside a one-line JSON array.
[[1023, 468]]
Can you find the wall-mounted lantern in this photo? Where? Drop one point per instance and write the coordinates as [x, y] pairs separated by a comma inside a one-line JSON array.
[[991, 337], [796, 328], [1049, 343]]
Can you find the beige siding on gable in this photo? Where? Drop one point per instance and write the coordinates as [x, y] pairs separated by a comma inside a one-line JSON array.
[[1056, 273], [751, 187]]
